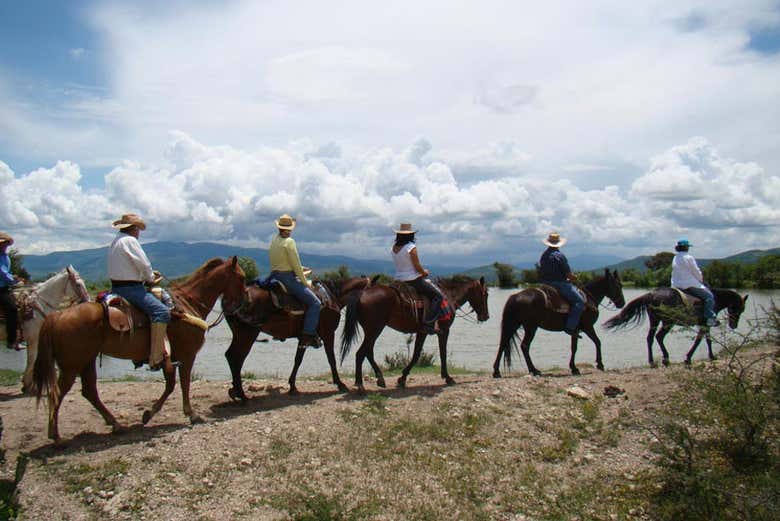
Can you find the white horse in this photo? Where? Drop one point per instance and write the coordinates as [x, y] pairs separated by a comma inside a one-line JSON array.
[[63, 289]]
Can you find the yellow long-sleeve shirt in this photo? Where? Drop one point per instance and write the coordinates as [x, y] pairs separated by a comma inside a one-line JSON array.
[[283, 255]]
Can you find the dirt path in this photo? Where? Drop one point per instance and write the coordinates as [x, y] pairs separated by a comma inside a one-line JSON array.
[[514, 448]]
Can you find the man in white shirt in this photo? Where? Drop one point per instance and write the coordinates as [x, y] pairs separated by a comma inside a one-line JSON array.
[[129, 268], [687, 276]]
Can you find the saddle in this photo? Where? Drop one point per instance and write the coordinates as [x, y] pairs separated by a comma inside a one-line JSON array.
[[688, 300], [416, 305], [555, 302], [123, 316], [26, 306]]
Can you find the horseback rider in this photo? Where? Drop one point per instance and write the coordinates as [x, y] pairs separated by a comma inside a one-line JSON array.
[[286, 267], [555, 271], [129, 269], [7, 300], [687, 276], [409, 270]]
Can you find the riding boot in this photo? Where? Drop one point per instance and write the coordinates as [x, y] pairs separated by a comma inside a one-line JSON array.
[[159, 355]]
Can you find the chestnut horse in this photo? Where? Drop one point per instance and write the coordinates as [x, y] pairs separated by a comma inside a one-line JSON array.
[[528, 309], [258, 314], [665, 307], [74, 337], [380, 306]]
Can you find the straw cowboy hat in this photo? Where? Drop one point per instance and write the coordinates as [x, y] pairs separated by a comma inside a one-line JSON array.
[[127, 220], [405, 228], [4, 237], [285, 222], [554, 240]]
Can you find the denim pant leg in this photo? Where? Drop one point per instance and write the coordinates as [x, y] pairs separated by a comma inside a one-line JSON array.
[[8, 303], [427, 288], [145, 301], [707, 298], [569, 292], [312, 315]]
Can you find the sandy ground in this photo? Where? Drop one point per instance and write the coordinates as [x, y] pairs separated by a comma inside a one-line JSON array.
[[511, 448]]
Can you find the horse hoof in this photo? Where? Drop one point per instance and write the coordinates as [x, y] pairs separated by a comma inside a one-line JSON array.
[[575, 372], [536, 373], [293, 391], [380, 382], [653, 365], [665, 361], [712, 358], [117, 429], [195, 419], [361, 390], [401, 383], [449, 380], [146, 417], [234, 395], [496, 374], [343, 388], [600, 367], [688, 362]]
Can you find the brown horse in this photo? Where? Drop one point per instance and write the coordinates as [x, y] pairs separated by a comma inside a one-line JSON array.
[[380, 306], [259, 314], [74, 338], [530, 310]]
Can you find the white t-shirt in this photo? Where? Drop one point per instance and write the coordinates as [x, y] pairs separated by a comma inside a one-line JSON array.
[[685, 271], [127, 260], [404, 269]]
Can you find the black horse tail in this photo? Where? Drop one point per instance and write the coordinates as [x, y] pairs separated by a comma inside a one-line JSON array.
[[632, 314], [44, 372], [349, 334], [509, 326]]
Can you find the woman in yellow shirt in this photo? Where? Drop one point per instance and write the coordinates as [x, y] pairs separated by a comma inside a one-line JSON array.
[[286, 267]]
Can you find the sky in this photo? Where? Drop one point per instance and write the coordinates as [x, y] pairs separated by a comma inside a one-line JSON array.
[[486, 124]]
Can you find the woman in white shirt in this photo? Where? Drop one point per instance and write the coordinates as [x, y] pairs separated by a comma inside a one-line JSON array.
[[408, 269], [687, 276]]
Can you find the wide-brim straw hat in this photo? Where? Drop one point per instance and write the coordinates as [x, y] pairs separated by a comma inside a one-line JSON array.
[[285, 222], [4, 237], [127, 220], [554, 240], [405, 228]]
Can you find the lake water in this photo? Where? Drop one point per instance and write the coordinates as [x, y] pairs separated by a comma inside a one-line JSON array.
[[472, 346]]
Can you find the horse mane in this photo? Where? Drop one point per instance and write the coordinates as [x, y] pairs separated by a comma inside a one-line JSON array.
[[207, 267], [454, 280]]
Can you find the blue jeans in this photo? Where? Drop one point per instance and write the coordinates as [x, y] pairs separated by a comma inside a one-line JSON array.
[[707, 298], [570, 293], [298, 290], [145, 301]]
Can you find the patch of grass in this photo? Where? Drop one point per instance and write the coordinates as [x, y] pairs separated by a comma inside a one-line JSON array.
[[10, 377], [248, 375], [125, 378], [398, 360], [376, 404], [9, 508], [101, 476], [307, 504], [566, 443]]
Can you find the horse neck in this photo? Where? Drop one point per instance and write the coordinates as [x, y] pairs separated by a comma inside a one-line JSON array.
[[723, 298], [596, 289], [54, 288], [457, 292], [202, 291]]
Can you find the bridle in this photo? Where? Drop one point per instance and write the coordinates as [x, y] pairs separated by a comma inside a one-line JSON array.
[[35, 298]]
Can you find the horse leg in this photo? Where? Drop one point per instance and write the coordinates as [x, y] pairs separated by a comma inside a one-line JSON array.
[[299, 354], [443, 336], [708, 337], [32, 352], [328, 339], [369, 337], [591, 333], [64, 383], [696, 342], [650, 339], [665, 328], [242, 342], [170, 383], [185, 374], [90, 392], [419, 340], [380, 378], [525, 345], [572, 364]]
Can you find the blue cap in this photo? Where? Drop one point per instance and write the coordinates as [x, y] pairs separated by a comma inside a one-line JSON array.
[[684, 242]]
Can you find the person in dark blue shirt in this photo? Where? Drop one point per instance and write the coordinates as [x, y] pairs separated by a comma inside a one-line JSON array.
[[555, 271], [7, 301]]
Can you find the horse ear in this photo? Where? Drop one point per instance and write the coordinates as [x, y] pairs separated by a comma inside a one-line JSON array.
[[606, 272], [234, 261], [482, 281], [617, 275], [744, 299]]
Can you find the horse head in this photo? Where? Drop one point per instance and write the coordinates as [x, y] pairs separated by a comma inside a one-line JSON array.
[[614, 288], [77, 285], [233, 289], [477, 297], [735, 308]]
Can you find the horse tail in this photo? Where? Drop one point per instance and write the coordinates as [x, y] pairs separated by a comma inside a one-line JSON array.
[[632, 314], [44, 373], [349, 334], [509, 327]]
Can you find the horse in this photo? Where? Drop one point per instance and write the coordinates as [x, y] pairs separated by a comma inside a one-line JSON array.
[[665, 306], [378, 306], [75, 337], [64, 288], [529, 309], [256, 315]]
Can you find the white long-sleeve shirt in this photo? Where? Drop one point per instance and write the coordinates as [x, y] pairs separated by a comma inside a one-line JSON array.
[[685, 271], [127, 260]]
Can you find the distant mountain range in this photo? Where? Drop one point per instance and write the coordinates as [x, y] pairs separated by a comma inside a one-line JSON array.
[[175, 259]]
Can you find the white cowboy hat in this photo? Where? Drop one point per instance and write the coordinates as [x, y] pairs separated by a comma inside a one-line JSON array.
[[129, 219], [554, 240], [285, 222], [405, 228]]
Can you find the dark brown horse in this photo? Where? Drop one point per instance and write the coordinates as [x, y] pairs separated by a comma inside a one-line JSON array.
[[664, 306], [530, 310], [74, 338], [380, 306], [259, 314]]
